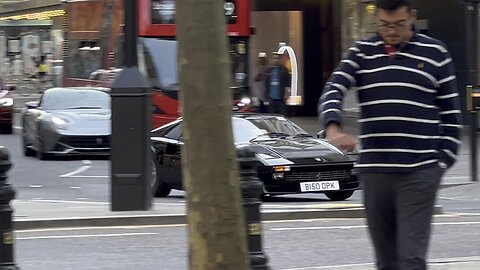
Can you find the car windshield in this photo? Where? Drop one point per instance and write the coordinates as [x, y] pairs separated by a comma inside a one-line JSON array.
[[257, 127], [158, 62], [65, 99]]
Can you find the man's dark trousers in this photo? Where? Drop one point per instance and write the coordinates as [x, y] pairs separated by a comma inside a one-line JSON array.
[[399, 211], [277, 106]]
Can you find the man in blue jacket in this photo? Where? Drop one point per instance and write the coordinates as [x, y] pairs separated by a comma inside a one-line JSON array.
[[277, 84], [410, 129]]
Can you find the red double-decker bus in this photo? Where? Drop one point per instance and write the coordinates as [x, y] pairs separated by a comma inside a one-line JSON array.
[[93, 53]]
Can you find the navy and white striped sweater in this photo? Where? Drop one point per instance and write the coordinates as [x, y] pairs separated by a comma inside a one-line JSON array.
[[409, 103]]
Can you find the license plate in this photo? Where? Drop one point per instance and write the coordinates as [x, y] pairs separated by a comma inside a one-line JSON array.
[[319, 186]]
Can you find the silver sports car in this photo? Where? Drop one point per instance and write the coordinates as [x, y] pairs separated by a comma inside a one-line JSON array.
[[67, 120]]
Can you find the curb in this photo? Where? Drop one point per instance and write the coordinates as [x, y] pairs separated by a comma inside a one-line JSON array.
[[145, 220], [444, 186]]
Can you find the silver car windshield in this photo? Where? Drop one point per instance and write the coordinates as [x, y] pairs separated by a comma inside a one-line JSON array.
[[158, 62], [247, 129], [63, 99]]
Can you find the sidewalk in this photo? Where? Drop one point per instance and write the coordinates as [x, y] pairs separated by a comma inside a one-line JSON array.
[[44, 214]]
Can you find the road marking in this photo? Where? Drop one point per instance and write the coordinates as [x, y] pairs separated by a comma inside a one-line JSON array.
[[456, 177], [101, 228], [319, 228], [77, 171], [87, 164], [60, 201], [364, 226], [330, 266], [86, 176], [456, 259], [75, 187], [458, 199], [325, 205], [35, 186], [82, 236], [82, 201]]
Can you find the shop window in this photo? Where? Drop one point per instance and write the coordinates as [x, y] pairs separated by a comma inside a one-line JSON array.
[[238, 54], [359, 18], [84, 59]]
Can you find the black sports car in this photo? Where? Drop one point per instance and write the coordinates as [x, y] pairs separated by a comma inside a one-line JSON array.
[[289, 159], [67, 121]]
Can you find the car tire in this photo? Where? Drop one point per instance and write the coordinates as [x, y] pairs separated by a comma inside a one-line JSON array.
[[339, 195], [159, 188], [40, 152], [27, 151], [154, 175], [163, 189], [7, 128]]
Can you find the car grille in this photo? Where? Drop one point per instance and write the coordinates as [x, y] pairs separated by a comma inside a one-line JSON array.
[[86, 141], [316, 176]]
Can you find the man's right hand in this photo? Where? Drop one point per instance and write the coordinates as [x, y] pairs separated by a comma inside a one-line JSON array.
[[342, 140]]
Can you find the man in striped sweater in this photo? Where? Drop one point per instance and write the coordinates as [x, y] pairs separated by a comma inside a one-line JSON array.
[[410, 129]]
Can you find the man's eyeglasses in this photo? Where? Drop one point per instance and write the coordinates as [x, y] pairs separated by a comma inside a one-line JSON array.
[[396, 26]]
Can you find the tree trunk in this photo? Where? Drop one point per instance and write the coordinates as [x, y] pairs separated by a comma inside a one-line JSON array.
[[210, 173]]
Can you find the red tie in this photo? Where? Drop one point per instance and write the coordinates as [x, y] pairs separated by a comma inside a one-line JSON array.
[[390, 50]]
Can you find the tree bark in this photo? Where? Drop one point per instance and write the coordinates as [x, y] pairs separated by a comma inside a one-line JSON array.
[[216, 223]]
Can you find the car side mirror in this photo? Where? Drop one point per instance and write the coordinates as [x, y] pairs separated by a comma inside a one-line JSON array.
[[322, 134], [32, 104]]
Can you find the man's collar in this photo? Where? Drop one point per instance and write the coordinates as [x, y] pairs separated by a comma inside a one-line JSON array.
[[412, 39]]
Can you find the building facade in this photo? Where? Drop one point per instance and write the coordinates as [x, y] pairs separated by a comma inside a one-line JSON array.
[[319, 31], [329, 27], [29, 30]]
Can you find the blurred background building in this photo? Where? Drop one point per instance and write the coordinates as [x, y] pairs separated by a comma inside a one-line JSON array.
[[319, 31], [28, 30]]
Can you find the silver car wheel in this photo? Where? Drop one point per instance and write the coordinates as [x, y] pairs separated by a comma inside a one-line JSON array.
[[154, 175]]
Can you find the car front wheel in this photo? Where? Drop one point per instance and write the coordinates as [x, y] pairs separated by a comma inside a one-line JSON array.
[[339, 195], [27, 151], [7, 128], [40, 151], [159, 188]]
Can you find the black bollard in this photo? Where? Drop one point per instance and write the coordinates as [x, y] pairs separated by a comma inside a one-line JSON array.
[[252, 189], [7, 194]]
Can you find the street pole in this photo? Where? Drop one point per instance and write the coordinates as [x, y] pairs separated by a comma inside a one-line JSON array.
[[131, 188], [7, 194], [472, 109], [473, 145], [471, 17], [252, 189]]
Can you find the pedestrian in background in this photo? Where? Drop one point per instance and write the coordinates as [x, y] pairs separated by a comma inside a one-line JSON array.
[[260, 82], [277, 81], [42, 68], [410, 129]]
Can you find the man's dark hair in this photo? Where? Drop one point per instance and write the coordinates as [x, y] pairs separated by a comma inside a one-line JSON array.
[[392, 5]]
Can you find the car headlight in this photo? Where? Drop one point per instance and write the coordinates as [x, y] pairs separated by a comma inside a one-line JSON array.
[[246, 100], [6, 102], [59, 122]]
